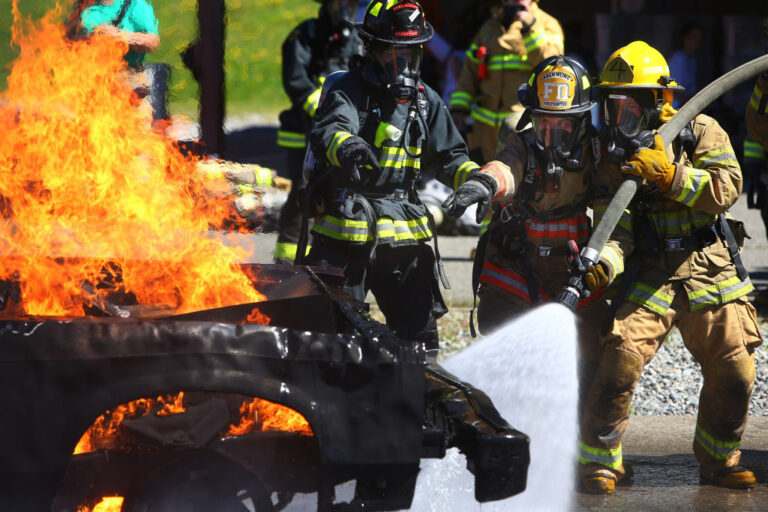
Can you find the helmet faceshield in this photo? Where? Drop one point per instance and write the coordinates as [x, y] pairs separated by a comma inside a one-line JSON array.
[[629, 112], [397, 61], [558, 132]]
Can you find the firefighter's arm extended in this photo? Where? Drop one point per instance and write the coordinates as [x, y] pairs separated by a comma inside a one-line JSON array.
[[335, 127], [543, 39], [445, 150], [621, 243], [713, 182], [297, 82]]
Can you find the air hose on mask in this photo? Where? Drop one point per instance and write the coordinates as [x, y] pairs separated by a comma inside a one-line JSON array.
[[590, 255]]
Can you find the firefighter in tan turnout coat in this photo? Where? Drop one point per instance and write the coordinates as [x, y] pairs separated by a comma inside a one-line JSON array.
[[678, 263], [539, 184], [507, 47]]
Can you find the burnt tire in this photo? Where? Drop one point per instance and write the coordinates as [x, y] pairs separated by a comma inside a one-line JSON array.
[[202, 482]]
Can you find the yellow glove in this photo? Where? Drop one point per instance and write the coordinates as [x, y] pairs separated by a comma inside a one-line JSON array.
[[596, 278], [652, 164]]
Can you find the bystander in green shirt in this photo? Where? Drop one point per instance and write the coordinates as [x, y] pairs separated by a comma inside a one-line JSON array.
[[139, 17]]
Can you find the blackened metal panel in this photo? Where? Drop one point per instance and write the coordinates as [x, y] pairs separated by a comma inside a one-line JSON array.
[[58, 376]]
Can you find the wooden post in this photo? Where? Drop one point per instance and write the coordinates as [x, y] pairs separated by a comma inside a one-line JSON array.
[[210, 18]]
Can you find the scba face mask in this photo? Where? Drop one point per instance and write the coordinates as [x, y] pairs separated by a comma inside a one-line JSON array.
[[558, 141], [627, 115], [398, 66]]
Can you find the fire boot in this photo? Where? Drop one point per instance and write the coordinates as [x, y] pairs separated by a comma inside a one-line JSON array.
[[601, 481], [735, 477]]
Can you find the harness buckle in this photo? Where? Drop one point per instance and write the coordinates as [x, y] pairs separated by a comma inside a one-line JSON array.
[[673, 244], [506, 213]]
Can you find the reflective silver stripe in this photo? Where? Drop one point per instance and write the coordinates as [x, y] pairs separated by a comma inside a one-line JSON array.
[[655, 300], [719, 450], [695, 183], [717, 156], [609, 458], [522, 287], [720, 293]]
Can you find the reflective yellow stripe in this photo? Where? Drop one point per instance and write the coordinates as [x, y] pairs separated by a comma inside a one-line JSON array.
[[648, 297], [722, 156], [625, 221], [671, 224], [610, 458], [312, 101], [719, 450], [287, 251], [534, 40], [471, 54], [754, 101], [695, 183], [263, 177], [720, 293], [387, 229], [291, 139], [337, 139], [753, 150], [614, 259], [509, 61], [462, 173], [489, 117], [461, 99]]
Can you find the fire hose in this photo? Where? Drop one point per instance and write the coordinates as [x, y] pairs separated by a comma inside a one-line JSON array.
[[590, 254]]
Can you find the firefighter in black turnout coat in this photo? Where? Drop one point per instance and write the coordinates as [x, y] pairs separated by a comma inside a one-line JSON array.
[[377, 128], [313, 50]]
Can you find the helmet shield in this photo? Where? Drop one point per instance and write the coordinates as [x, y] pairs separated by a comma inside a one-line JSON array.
[[397, 61], [629, 112], [556, 131]]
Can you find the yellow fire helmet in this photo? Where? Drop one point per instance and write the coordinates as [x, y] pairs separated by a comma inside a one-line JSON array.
[[639, 65]]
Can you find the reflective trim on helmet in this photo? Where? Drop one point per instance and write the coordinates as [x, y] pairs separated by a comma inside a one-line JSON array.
[[312, 101], [753, 149], [719, 450], [293, 140], [610, 458], [336, 141], [462, 173], [694, 184], [722, 156]]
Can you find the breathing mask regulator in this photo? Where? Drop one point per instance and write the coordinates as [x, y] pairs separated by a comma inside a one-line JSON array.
[[634, 86], [397, 68], [558, 98]]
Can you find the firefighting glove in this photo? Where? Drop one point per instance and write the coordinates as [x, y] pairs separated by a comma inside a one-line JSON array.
[[479, 188], [652, 164], [596, 277], [354, 155]]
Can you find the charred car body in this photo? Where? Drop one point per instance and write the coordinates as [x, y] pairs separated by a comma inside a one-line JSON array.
[[376, 405]]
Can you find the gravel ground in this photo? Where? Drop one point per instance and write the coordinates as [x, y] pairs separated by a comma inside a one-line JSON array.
[[669, 386]]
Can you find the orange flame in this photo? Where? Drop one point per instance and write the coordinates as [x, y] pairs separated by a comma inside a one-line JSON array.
[[263, 415], [107, 504], [257, 317], [103, 432], [83, 175]]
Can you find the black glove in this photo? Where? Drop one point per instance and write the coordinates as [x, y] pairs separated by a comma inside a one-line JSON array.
[[357, 154], [478, 189]]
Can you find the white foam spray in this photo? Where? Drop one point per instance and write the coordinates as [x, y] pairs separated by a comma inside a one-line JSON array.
[[528, 368]]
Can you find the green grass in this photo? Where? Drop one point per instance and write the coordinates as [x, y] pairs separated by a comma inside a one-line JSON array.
[[255, 32]]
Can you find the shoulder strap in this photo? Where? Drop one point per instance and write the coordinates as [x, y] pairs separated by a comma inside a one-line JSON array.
[[122, 13]]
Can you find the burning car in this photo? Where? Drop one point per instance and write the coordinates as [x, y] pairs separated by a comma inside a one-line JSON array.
[[141, 362]]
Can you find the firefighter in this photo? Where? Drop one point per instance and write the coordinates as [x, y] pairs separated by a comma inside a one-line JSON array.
[[313, 50], [540, 186], [377, 128], [756, 173], [678, 259], [516, 38]]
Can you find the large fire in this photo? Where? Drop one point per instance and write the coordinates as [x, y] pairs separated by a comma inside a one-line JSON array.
[[89, 188]]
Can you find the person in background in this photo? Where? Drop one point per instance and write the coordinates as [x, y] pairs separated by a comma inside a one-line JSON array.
[[132, 22], [313, 50], [683, 63], [516, 38]]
